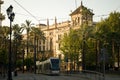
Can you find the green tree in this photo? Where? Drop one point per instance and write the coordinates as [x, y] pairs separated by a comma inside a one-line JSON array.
[[4, 48], [4, 35], [70, 46], [27, 27], [29, 63], [3, 56], [37, 36], [17, 40], [3, 60], [86, 33], [108, 32]]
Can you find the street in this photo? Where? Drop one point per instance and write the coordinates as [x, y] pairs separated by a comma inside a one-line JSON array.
[[32, 76], [80, 76], [47, 77]]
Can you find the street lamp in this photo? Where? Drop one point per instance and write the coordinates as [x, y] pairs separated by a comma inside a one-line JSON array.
[[11, 16]]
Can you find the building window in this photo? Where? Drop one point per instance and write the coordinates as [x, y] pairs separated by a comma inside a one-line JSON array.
[[59, 37], [43, 41], [31, 50], [39, 48], [59, 46], [40, 42], [51, 44], [43, 48], [78, 19], [51, 33]]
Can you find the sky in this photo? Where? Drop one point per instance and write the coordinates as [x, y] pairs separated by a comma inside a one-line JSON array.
[[38, 11]]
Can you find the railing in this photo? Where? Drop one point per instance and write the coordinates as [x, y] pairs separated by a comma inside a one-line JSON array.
[[93, 75]]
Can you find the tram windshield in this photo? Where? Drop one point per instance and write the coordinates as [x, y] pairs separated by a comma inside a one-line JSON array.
[[55, 64]]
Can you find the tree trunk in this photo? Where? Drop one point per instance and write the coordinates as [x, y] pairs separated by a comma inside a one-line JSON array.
[[35, 54], [118, 57], [113, 52], [97, 53]]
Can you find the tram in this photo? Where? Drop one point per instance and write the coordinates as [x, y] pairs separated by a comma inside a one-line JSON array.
[[50, 66]]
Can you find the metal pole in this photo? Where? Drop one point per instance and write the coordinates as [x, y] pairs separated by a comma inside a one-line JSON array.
[[103, 66], [23, 61], [35, 54], [10, 53], [103, 55]]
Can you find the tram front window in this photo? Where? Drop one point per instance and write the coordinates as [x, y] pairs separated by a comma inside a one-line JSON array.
[[55, 64]]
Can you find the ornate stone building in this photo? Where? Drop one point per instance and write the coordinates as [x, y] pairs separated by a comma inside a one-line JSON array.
[[53, 33], [50, 47], [82, 15]]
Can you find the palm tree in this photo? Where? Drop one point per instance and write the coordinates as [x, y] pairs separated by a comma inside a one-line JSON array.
[[37, 35], [27, 26], [17, 38]]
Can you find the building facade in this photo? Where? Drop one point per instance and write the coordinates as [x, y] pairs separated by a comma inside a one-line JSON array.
[[54, 33], [50, 47]]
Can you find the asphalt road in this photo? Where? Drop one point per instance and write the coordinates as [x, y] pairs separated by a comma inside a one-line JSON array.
[[32, 76]]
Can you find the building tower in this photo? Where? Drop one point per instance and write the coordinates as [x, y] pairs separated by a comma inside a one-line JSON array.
[[82, 15], [2, 17]]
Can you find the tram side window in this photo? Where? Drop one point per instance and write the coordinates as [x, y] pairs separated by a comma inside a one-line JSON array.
[[47, 66]]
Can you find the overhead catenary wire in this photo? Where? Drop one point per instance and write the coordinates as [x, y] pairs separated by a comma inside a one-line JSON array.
[[49, 19], [26, 10], [44, 19], [35, 17]]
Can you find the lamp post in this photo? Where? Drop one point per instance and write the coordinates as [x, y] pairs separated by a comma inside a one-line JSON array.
[[11, 16]]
